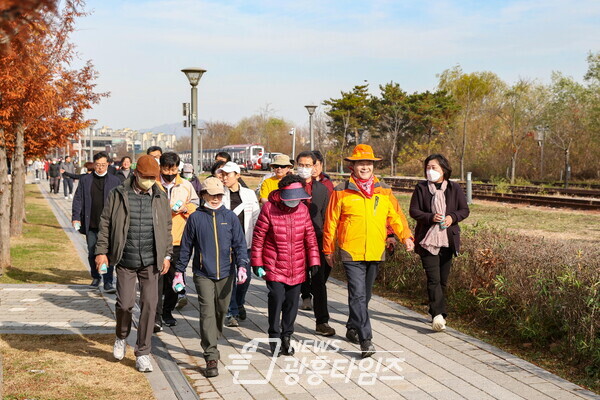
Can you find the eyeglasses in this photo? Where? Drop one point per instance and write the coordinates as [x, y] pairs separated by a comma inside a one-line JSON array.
[[101, 165], [305, 165]]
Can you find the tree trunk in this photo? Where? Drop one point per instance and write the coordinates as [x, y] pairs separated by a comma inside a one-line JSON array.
[[513, 166], [17, 209], [393, 154], [4, 212], [464, 146]]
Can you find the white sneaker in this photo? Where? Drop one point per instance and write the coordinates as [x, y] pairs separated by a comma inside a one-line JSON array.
[[70, 197], [119, 348], [66, 197], [439, 323], [142, 363]]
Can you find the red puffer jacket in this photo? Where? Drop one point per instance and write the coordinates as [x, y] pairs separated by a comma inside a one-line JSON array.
[[284, 238]]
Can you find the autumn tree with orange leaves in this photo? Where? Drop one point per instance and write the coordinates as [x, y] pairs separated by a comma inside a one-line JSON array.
[[43, 99]]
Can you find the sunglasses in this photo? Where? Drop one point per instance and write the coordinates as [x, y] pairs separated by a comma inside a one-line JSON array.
[[280, 166]]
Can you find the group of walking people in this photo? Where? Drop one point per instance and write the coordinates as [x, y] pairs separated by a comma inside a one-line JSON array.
[[152, 224]]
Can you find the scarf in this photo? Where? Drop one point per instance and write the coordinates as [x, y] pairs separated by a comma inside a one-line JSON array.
[[366, 186], [436, 237]]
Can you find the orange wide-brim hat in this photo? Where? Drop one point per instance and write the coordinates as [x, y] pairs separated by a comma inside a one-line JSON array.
[[362, 152]]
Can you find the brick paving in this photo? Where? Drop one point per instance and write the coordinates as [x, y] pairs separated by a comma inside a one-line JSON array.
[[412, 361]]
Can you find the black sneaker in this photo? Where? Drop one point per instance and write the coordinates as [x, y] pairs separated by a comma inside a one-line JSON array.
[[109, 288], [157, 327], [211, 369], [168, 319], [286, 346], [95, 283], [366, 348], [242, 313], [352, 335]]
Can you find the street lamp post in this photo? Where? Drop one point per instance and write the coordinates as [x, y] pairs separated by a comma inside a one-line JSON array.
[[194, 75], [311, 110], [91, 128], [293, 134]]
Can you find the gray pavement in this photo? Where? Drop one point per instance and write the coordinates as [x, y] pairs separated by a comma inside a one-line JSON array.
[[412, 361]]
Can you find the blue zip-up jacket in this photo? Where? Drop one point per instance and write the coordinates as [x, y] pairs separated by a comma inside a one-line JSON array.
[[213, 235]]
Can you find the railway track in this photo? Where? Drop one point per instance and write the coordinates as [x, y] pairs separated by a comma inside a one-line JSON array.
[[576, 198]]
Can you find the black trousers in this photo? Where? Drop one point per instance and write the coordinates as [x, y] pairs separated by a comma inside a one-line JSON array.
[[306, 288], [361, 276], [283, 308], [318, 286], [165, 287], [437, 269]]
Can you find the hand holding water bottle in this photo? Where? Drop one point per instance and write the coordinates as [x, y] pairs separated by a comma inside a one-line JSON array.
[[178, 283]]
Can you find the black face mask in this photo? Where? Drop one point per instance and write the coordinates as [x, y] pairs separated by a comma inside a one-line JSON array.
[[169, 178]]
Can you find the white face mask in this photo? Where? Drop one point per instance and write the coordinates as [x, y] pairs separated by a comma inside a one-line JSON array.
[[304, 173], [291, 203], [187, 175], [433, 175], [210, 206]]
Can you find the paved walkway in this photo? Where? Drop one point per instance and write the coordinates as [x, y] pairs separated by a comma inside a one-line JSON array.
[[412, 361]]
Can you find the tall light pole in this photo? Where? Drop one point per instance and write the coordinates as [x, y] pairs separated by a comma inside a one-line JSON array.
[[194, 75], [91, 128], [293, 134], [311, 110]]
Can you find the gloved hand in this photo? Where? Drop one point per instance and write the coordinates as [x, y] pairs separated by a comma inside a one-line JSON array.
[[259, 271], [241, 275], [178, 279], [314, 270]]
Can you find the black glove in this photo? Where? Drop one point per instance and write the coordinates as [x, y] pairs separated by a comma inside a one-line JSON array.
[[314, 270], [255, 270]]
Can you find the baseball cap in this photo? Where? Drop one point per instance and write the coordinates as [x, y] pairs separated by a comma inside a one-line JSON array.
[[213, 186], [229, 167]]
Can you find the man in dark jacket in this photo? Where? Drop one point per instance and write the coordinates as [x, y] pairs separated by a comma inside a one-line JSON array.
[[67, 166], [316, 284], [89, 200], [54, 173], [135, 235]]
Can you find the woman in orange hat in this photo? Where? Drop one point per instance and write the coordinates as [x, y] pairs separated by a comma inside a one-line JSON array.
[[358, 215]]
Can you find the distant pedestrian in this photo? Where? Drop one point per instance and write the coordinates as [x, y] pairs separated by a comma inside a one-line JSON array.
[[359, 211], [154, 151], [188, 174], [38, 166], [67, 167], [89, 200], [183, 201], [438, 205], [284, 245], [281, 166], [135, 235], [242, 201], [125, 170], [213, 232], [54, 173]]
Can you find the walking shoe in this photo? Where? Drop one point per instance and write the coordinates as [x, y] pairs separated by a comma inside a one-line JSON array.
[[366, 348], [439, 323], [286, 346], [242, 313], [325, 329], [119, 348], [70, 197], [306, 304], [157, 327], [181, 301], [211, 369], [232, 321], [352, 335], [66, 197], [168, 319], [143, 364], [109, 288], [95, 283]]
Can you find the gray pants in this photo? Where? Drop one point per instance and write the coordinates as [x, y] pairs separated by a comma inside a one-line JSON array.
[[213, 301], [148, 278], [361, 276]]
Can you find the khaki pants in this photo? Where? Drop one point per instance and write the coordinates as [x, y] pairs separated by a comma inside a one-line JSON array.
[[213, 301], [148, 278]]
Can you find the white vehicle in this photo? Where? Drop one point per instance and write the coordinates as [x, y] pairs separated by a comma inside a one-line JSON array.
[[266, 160]]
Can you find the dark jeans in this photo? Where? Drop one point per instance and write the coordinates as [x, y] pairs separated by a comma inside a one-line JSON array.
[[319, 292], [361, 276], [68, 184], [283, 308], [437, 269], [126, 288], [305, 288], [92, 237], [165, 287], [238, 293]]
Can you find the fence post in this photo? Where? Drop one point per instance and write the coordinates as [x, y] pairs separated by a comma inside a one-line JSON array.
[[469, 188]]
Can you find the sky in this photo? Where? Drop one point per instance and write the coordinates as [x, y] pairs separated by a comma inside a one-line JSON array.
[[285, 54]]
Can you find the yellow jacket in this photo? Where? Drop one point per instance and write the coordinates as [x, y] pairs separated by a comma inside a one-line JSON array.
[[360, 224], [184, 191]]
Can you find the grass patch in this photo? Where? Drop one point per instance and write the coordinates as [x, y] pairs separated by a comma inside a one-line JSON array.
[[45, 367], [44, 253]]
